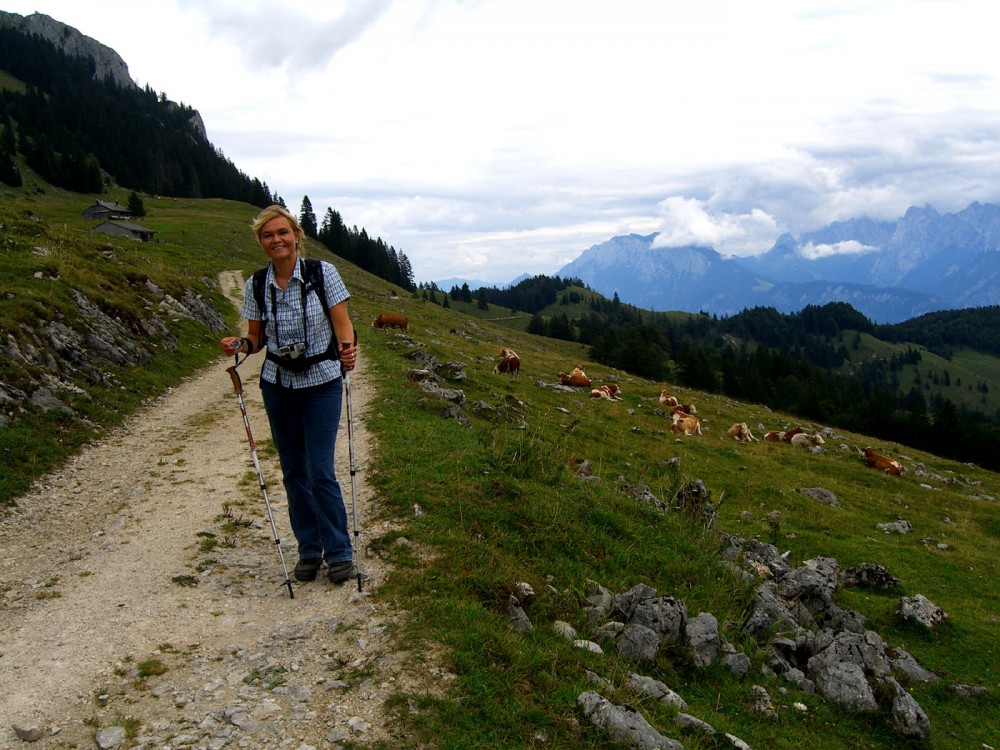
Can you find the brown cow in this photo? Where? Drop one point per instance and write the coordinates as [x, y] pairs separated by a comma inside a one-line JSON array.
[[774, 436], [741, 431], [882, 463], [686, 424], [388, 320], [578, 378], [509, 362], [610, 392]]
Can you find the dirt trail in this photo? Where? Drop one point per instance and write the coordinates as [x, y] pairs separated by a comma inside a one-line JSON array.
[[124, 556]]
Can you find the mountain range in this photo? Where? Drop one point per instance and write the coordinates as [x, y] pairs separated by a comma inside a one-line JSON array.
[[890, 271]]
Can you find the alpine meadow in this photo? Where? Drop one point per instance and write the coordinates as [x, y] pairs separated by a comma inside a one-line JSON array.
[[589, 575]]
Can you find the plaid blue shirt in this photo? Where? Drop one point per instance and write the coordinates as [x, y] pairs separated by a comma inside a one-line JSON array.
[[289, 319]]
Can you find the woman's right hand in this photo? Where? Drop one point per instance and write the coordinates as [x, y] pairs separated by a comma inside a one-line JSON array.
[[230, 345]]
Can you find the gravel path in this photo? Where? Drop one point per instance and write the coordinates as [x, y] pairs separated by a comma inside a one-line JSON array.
[[141, 588]]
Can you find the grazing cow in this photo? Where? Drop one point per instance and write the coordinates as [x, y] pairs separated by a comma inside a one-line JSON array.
[[388, 320], [578, 378], [509, 362], [804, 440], [882, 463], [610, 392], [686, 424], [741, 431]]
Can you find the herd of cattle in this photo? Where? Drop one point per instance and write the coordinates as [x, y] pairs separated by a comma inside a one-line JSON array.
[[684, 418]]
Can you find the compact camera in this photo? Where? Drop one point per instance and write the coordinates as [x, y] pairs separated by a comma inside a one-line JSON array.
[[292, 351]]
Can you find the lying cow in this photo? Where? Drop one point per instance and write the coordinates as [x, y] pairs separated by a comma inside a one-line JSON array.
[[610, 392], [807, 441], [882, 463], [388, 320], [684, 409], [781, 436], [578, 378], [741, 431], [666, 399], [686, 424], [509, 362]]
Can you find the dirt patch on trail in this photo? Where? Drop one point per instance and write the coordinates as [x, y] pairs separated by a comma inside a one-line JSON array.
[[141, 588]]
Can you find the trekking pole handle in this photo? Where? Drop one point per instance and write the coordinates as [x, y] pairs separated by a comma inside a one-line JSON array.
[[235, 376]]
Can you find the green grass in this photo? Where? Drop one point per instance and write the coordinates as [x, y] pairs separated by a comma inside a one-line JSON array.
[[501, 505]]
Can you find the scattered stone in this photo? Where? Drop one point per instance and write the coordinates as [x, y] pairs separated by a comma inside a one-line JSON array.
[[624, 723], [110, 737], [920, 610], [702, 636], [900, 527], [907, 717], [761, 702], [869, 576], [28, 732], [821, 495], [655, 689]]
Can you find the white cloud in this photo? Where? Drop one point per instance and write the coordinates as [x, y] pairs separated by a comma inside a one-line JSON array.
[[508, 136], [687, 221], [813, 251]]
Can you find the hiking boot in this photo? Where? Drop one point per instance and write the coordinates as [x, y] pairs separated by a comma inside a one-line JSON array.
[[307, 568], [340, 571]]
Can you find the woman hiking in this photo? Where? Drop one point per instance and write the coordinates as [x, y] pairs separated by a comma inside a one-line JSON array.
[[296, 310]]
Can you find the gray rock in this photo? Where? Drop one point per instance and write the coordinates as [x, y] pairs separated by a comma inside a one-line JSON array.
[[655, 689], [869, 576], [664, 615], [28, 731], [844, 683], [702, 637], [739, 664], [689, 723], [900, 527], [920, 610], [638, 642], [903, 663], [821, 495], [110, 737], [908, 718], [623, 723]]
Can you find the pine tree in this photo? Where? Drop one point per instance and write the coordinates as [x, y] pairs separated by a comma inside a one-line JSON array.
[[136, 207], [307, 218]]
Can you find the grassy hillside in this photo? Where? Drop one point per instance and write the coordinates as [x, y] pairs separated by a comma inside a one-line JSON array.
[[491, 500]]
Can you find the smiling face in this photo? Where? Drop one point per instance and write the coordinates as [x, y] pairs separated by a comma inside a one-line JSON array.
[[279, 239]]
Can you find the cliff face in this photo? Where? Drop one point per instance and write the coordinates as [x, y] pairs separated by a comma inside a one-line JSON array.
[[108, 62]]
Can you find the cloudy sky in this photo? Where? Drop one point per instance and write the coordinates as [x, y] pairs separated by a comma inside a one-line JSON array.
[[490, 138]]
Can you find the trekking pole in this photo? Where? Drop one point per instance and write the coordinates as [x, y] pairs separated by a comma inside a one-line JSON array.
[[354, 496], [238, 390]]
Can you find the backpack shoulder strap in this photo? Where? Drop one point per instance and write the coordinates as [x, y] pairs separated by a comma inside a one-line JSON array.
[[314, 280], [259, 278]]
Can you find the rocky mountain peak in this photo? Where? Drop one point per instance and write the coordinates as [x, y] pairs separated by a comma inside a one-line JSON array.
[[108, 62]]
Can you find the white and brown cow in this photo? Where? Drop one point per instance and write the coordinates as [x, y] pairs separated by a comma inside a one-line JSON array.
[[686, 424], [611, 392], [807, 441], [578, 378], [882, 463], [741, 431]]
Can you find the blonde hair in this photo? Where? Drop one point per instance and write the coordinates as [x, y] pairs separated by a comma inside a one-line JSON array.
[[274, 212]]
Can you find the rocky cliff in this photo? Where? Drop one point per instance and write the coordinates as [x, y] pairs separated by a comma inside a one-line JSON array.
[[108, 62]]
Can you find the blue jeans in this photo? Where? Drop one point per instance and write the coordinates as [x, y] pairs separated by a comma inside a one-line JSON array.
[[304, 423]]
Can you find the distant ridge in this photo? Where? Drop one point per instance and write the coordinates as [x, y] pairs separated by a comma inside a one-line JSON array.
[[889, 270]]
